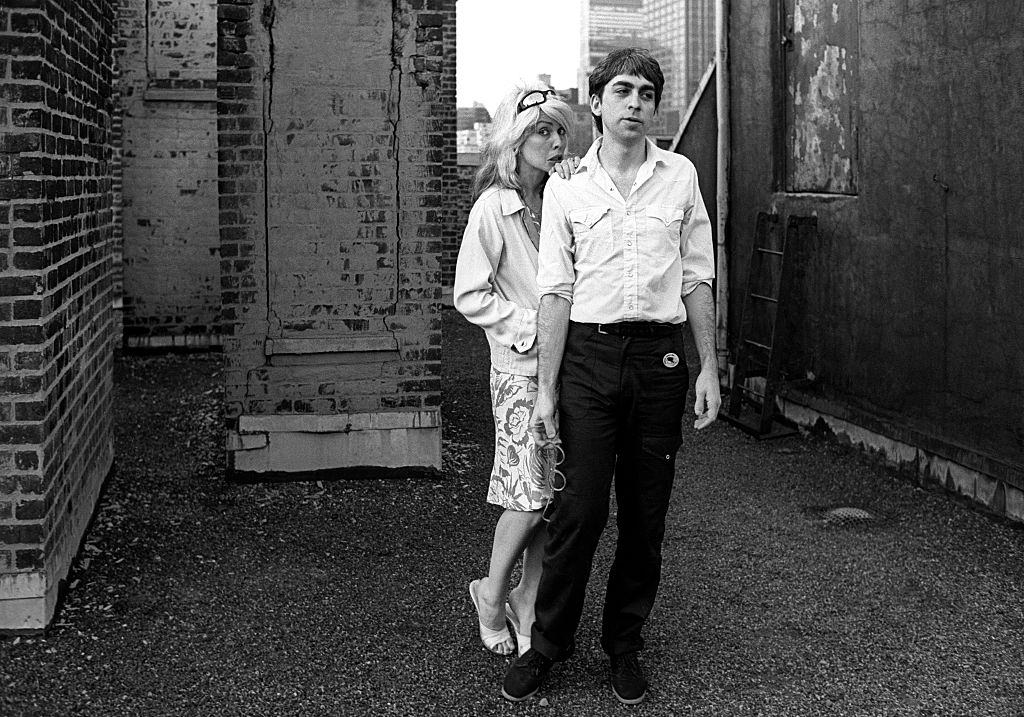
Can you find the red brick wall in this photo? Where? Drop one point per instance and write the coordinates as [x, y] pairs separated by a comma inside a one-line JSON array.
[[56, 323], [333, 204]]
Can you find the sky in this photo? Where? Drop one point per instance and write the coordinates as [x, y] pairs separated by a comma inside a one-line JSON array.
[[500, 42]]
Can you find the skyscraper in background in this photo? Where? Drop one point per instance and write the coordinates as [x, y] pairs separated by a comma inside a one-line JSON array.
[[606, 25], [679, 33]]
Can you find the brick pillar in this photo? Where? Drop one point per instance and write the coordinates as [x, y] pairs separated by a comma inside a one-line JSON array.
[[56, 323], [453, 227], [168, 68], [333, 170]]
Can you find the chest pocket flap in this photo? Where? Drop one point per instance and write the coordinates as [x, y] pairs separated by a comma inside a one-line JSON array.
[[669, 214], [587, 217]]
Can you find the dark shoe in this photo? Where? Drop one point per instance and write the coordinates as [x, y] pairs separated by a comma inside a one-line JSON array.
[[525, 676], [627, 678]]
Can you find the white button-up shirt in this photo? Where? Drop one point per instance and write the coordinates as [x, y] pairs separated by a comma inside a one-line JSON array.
[[626, 259], [496, 280]]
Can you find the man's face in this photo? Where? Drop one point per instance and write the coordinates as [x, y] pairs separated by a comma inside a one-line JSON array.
[[626, 106]]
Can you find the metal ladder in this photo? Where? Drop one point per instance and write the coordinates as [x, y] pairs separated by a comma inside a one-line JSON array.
[[760, 343]]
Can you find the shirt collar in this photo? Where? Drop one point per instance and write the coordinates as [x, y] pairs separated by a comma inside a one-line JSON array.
[[511, 202], [655, 155]]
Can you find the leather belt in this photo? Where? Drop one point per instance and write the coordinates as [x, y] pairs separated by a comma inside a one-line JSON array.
[[635, 328]]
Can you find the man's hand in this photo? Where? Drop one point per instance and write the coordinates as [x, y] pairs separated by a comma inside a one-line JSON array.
[[543, 424], [709, 399]]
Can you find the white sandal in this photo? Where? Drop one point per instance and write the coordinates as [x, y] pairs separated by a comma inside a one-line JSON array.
[[492, 639], [522, 640]]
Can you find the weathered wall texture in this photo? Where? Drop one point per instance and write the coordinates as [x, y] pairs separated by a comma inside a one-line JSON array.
[[909, 303], [468, 163], [167, 61], [56, 320], [336, 122]]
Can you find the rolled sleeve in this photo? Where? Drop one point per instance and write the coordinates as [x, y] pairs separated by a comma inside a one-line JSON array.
[[555, 272], [474, 293], [697, 248]]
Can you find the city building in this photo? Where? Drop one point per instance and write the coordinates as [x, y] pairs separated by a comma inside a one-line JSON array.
[[679, 33], [472, 140], [604, 26], [468, 117]]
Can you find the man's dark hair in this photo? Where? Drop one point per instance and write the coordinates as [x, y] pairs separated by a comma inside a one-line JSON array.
[[626, 61]]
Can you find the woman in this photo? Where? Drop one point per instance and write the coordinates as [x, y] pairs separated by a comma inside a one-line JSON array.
[[496, 289]]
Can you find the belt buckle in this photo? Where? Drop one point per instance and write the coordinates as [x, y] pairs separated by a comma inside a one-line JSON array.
[[600, 329]]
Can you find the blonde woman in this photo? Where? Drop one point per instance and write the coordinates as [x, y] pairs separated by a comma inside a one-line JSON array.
[[496, 289]]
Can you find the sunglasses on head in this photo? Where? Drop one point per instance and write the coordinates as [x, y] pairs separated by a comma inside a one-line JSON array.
[[533, 98]]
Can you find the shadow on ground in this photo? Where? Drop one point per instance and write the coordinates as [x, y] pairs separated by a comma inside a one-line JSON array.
[[193, 595]]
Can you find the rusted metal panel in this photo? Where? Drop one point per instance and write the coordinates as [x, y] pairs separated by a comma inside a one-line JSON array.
[[821, 80]]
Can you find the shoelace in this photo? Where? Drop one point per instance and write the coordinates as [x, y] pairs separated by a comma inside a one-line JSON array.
[[535, 662], [629, 665]]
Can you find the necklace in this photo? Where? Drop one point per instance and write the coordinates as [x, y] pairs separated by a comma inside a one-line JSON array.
[[534, 215]]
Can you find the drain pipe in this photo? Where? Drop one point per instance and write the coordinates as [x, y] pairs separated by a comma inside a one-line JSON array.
[[722, 188]]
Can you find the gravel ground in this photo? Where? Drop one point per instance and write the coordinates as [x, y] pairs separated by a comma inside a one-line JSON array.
[[193, 595]]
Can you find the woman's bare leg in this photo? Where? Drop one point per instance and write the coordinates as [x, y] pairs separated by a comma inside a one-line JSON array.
[[524, 595], [515, 531]]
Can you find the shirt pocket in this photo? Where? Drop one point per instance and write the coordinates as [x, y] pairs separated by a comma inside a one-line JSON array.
[[667, 221], [591, 230]]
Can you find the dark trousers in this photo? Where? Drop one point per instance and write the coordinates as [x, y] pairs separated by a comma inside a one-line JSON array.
[[620, 413]]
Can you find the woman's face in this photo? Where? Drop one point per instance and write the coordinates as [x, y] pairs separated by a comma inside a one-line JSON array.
[[544, 146]]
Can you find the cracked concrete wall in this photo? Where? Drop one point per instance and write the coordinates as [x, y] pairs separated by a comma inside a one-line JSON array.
[[908, 303], [171, 256], [336, 130]]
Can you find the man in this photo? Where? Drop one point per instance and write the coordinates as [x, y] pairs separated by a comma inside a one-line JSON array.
[[626, 257]]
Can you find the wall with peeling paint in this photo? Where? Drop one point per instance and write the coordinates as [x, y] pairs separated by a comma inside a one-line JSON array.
[[337, 141], [167, 57], [907, 308]]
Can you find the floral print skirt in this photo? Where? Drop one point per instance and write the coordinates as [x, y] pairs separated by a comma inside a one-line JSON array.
[[516, 475]]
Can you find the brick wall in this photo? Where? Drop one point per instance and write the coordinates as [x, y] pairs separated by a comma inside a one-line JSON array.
[[466, 168], [167, 62], [332, 178], [453, 190], [56, 324]]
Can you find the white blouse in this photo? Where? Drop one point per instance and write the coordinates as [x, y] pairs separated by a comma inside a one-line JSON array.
[[496, 280]]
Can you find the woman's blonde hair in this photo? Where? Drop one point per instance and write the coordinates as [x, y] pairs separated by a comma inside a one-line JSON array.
[[510, 130]]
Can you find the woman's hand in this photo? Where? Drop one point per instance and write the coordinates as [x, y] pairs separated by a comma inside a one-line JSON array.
[[566, 168]]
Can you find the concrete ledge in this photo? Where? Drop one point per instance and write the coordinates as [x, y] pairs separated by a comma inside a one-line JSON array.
[[994, 493], [176, 341], [337, 344], [28, 615], [184, 94], [339, 422], [26, 602], [312, 443]]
